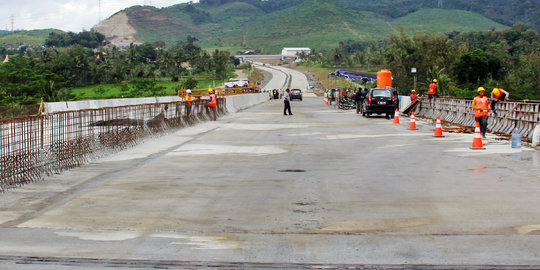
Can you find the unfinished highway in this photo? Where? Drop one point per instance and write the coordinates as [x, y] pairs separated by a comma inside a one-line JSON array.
[[323, 188]]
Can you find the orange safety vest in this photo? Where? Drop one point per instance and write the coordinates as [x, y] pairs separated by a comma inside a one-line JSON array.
[[483, 104], [413, 97], [188, 99], [432, 89], [213, 101]]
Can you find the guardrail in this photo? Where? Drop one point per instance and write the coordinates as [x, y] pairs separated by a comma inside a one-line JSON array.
[[511, 115], [34, 146]]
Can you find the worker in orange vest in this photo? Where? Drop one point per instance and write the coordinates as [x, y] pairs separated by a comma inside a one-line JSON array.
[[498, 94], [212, 103], [189, 102], [480, 105], [414, 97], [432, 91]]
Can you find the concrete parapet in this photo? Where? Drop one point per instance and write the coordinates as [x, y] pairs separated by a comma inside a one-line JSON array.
[[53, 107], [239, 102]]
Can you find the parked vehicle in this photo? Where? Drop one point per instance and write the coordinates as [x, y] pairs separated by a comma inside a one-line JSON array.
[[380, 101], [346, 103], [296, 94]]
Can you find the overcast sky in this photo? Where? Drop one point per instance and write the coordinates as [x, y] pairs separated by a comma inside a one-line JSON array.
[[67, 15]]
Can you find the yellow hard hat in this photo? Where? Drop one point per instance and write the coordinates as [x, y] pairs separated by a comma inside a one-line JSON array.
[[414, 90], [481, 89], [434, 80], [496, 91]]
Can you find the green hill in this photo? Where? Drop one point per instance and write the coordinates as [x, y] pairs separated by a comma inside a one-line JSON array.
[[33, 37], [446, 20], [319, 24]]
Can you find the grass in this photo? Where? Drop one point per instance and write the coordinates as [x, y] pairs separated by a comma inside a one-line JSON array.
[[32, 37], [115, 90]]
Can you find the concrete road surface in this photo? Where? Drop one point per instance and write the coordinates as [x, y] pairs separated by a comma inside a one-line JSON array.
[[323, 188]]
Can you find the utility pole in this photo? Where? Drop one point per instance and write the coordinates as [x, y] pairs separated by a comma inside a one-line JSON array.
[[99, 11], [12, 22]]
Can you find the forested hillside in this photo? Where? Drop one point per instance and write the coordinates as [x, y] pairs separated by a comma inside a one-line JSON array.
[[507, 12], [268, 26]]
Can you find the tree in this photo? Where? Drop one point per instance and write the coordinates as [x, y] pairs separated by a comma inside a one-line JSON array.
[[221, 61], [189, 83], [472, 68]]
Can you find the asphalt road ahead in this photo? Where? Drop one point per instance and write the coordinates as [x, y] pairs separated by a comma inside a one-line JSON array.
[[257, 189]]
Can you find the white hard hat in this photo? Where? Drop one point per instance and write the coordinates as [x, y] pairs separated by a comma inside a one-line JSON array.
[[188, 91]]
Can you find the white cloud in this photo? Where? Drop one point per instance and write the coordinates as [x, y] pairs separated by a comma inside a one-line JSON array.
[[67, 15]]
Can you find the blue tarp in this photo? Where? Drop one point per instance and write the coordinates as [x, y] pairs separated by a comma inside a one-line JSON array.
[[353, 75]]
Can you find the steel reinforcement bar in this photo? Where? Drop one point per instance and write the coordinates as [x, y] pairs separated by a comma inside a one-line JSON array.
[[523, 116], [34, 146]]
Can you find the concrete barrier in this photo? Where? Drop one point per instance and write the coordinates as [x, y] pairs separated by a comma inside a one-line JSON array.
[[239, 102], [53, 107], [233, 103]]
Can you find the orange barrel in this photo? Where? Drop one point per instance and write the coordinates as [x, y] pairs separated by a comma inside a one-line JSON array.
[[384, 78]]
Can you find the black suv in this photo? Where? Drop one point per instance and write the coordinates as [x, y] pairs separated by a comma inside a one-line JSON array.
[[379, 101], [296, 94]]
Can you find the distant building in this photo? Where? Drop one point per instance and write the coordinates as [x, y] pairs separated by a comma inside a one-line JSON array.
[[294, 51]]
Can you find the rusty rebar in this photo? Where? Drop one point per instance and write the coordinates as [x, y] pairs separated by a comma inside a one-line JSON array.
[[34, 146]]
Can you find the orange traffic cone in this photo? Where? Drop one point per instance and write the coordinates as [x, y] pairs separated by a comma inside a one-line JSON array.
[[412, 126], [396, 117], [477, 142], [325, 100], [438, 128]]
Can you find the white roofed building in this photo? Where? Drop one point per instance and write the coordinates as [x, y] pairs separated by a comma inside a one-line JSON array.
[[294, 51]]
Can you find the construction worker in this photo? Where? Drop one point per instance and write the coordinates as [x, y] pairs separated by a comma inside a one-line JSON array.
[[212, 103], [498, 94], [480, 105], [188, 101], [432, 91], [414, 97]]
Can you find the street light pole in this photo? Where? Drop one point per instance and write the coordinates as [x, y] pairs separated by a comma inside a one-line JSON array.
[[413, 71]]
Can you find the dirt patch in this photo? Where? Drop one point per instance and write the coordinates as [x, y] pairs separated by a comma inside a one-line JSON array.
[[118, 30]]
